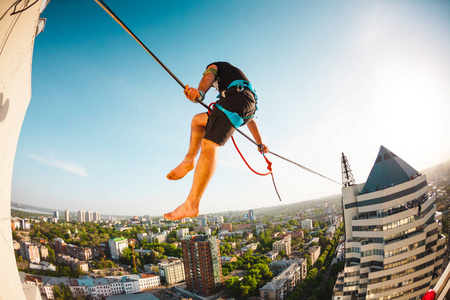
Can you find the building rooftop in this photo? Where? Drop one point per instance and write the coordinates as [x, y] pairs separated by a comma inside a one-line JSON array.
[[388, 170], [279, 280]]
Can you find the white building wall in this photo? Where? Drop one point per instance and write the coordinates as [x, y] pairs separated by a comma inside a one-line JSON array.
[[17, 34]]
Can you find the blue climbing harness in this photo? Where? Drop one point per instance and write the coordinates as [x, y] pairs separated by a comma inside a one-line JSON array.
[[241, 84], [234, 118]]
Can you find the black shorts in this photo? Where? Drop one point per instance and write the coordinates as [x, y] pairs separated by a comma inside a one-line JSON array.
[[219, 128]]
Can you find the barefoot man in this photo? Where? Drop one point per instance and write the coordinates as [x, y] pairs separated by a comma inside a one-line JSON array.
[[209, 131]]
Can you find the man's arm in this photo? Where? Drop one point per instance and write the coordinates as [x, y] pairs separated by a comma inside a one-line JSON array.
[[255, 132], [204, 85]]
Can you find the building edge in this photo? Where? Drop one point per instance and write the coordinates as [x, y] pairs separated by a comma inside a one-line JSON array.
[[19, 26]]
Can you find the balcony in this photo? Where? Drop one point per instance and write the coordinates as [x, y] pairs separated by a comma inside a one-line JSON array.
[[394, 210]]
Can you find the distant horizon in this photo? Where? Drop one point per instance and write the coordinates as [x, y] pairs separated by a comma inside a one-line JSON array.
[[50, 210]]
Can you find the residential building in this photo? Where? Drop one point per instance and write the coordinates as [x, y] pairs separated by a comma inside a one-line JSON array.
[[284, 283], [96, 216], [120, 228], [84, 253], [393, 246], [30, 252], [157, 237], [243, 227], [220, 220], [89, 216], [60, 245], [330, 232], [202, 220], [56, 215], [252, 246], [278, 266], [313, 240], [182, 232], [74, 263], [116, 246], [284, 244], [272, 254], [297, 234], [251, 215], [94, 288], [80, 216], [148, 281], [203, 270], [227, 226], [314, 253], [43, 251], [67, 216], [15, 224], [24, 224], [227, 259], [43, 265], [141, 236], [172, 271], [134, 221], [307, 224]]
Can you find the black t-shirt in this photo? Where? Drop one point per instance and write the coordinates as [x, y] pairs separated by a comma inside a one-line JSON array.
[[227, 73]]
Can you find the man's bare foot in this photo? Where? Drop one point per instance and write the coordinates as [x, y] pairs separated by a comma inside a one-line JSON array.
[[181, 170], [181, 212]]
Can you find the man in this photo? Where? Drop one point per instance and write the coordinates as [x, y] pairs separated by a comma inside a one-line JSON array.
[[236, 107]]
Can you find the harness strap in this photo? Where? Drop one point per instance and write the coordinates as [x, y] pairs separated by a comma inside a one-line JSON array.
[[234, 118], [241, 84]]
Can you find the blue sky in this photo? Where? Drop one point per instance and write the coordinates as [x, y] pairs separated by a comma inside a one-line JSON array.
[[106, 123]]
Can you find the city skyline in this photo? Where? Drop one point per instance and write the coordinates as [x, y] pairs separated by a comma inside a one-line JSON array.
[[106, 123]]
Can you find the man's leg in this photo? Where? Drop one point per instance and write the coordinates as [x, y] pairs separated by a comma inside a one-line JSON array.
[[197, 131], [206, 166]]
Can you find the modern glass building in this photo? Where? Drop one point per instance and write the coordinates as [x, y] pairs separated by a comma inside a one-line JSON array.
[[393, 248]]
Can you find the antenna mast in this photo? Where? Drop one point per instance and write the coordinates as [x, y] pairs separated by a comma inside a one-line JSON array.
[[347, 175]]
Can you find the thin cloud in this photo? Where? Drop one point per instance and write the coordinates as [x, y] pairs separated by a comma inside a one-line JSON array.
[[62, 165]]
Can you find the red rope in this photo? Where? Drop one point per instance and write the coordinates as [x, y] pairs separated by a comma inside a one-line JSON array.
[[269, 167], [269, 164]]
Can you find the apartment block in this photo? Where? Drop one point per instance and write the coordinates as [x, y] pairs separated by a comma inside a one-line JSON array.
[[30, 252], [81, 216], [307, 224], [227, 226], [172, 271], [182, 232], [284, 283], [116, 246], [284, 244], [314, 253], [202, 266], [94, 288], [141, 236], [89, 216], [157, 238]]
